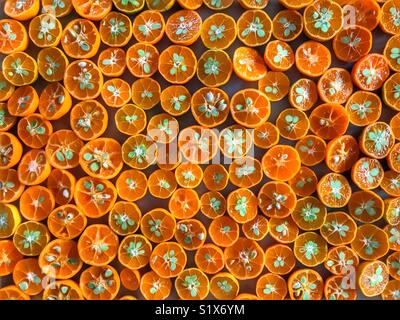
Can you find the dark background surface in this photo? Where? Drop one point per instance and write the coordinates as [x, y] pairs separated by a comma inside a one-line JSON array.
[[234, 85]]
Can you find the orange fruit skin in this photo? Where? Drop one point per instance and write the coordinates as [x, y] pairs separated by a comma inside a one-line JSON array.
[[163, 269], [367, 144], [217, 263], [290, 130], [240, 271], [190, 4], [253, 38], [65, 250], [163, 5], [389, 94], [39, 213], [281, 163], [359, 196], [388, 26], [339, 192], [177, 72], [27, 11], [31, 139], [133, 60], [341, 153], [14, 107], [124, 253], [22, 272], [340, 95], [224, 4], [329, 120], [270, 200], [370, 230], [66, 229], [358, 176], [103, 273], [312, 52], [10, 74], [114, 154], [229, 237], [284, 252], [279, 29], [89, 196], [22, 45], [357, 53], [87, 245], [366, 13], [246, 296], [391, 289], [79, 52], [333, 262], [16, 150], [334, 237], [376, 81], [365, 273], [210, 38], [295, 4], [312, 94], [278, 283], [13, 293], [167, 227], [333, 285], [37, 247], [250, 211], [391, 44], [306, 292], [302, 205], [245, 59], [130, 279], [202, 288], [311, 260], [253, 4], [6, 92], [114, 70], [262, 109], [188, 228], [73, 84], [141, 19], [269, 57], [191, 31], [220, 294], [336, 23], [12, 254], [146, 283], [50, 7], [26, 176], [14, 193], [361, 97], [46, 101], [226, 68], [34, 29], [92, 9], [106, 27]]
